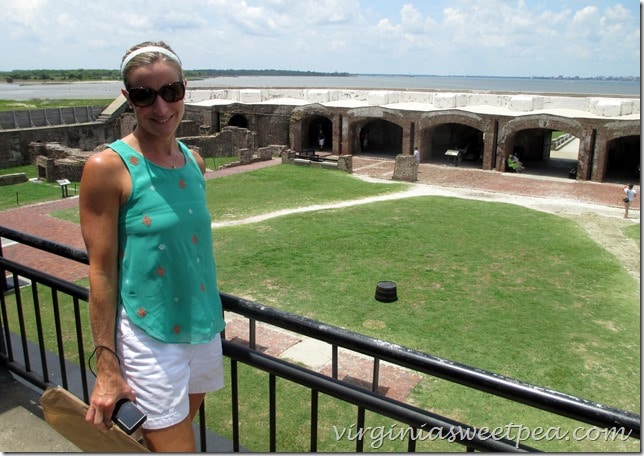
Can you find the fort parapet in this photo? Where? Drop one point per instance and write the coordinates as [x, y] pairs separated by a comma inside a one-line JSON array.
[[484, 128]]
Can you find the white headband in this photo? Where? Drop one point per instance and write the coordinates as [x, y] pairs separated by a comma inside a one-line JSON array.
[[145, 50]]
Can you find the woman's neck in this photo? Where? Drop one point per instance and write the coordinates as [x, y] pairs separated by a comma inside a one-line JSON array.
[[152, 145]]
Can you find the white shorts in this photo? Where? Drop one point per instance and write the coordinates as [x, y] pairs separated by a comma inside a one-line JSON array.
[[162, 375]]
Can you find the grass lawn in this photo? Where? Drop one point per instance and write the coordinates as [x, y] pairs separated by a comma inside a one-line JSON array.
[[511, 290], [507, 289], [37, 103], [26, 193]]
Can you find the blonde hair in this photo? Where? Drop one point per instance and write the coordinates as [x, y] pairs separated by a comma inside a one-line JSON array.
[[147, 53]]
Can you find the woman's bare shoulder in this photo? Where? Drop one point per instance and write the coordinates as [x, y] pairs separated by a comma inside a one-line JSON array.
[[104, 168], [199, 159], [106, 158]]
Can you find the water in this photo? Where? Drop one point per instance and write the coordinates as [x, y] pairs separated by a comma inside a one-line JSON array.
[[111, 89]]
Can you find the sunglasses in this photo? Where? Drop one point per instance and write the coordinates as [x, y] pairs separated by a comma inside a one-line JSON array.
[[144, 96]]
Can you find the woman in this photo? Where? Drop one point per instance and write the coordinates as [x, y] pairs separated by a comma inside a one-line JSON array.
[[154, 305]]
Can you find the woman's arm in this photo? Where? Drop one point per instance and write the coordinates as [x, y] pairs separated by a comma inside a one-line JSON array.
[[105, 185]]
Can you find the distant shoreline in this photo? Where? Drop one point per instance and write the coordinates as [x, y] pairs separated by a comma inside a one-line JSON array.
[[29, 89], [102, 75]]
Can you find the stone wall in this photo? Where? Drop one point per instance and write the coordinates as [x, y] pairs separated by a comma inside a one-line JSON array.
[[15, 144], [55, 161], [14, 178], [405, 168], [511, 102], [500, 122], [48, 117], [223, 144]]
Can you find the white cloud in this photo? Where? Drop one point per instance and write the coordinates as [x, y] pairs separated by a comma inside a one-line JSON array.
[[493, 37]]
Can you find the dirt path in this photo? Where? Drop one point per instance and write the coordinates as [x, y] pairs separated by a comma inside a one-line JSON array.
[[607, 232]]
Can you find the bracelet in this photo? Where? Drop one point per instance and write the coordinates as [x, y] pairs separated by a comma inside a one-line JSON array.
[[89, 361]]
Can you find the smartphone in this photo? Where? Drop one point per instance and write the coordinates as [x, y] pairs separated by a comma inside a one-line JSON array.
[[128, 416]]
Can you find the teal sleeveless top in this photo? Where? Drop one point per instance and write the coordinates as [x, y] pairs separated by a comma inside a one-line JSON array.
[[167, 273]]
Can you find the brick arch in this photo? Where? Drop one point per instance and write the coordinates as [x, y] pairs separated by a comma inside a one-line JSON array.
[[358, 118], [509, 130], [301, 121], [433, 119], [616, 130], [541, 121], [624, 137], [429, 123]]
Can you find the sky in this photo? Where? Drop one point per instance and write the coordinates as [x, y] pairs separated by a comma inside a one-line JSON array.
[[519, 38]]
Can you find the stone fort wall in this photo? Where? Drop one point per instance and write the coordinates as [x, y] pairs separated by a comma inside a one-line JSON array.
[[286, 117]]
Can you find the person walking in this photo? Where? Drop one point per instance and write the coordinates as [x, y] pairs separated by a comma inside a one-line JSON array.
[[629, 196], [154, 304]]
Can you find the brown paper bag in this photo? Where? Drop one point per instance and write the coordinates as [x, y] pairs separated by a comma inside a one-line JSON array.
[[66, 414]]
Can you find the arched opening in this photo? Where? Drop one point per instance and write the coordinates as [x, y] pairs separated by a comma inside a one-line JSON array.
[[563, 156], [466, 140], [317, 135], [238, 120], [546, 152], [623, 164], [381, 138]]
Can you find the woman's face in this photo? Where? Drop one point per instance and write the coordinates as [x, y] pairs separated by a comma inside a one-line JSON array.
[[160, 119]]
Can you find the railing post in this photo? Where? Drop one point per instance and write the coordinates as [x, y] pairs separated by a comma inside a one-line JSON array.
[[4, 286]]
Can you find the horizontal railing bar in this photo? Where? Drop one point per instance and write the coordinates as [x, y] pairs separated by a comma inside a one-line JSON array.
[[36, 242], [479, 379], [44, 279], [383, 405]]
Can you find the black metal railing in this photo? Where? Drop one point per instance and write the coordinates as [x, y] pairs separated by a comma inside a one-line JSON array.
[[57, 360]]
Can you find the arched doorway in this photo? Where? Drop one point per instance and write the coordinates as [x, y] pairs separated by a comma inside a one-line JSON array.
[[623, 160], [547, 152], [380, 138], [238, 120], [314, 129], [454, 136], [546, 145]]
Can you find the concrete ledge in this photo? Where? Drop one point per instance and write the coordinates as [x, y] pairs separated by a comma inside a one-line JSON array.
[[15, 178], [22, 424]]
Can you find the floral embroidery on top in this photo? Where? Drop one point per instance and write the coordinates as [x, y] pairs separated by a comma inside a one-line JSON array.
[[203, 288], [160, 271], [176, 329], [194, 239], [182, 183], [141, 312], [147, 221], [134, 160]]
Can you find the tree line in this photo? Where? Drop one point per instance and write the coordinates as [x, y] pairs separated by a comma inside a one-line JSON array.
[[111, 75]]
